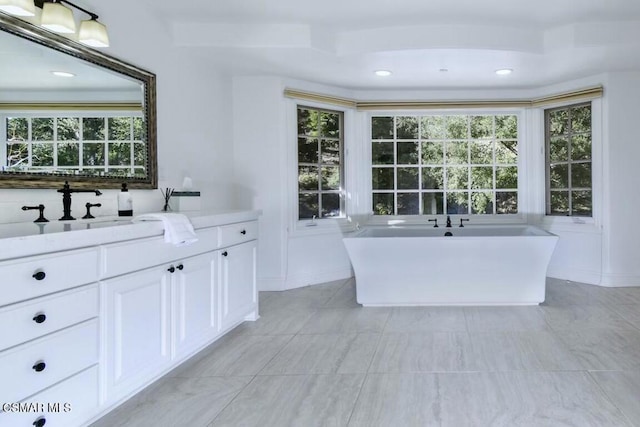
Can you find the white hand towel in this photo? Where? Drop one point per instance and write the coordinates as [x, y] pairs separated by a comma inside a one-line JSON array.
[[177, 227]]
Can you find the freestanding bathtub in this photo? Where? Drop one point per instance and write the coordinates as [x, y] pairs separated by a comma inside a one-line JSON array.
[[478, 265]]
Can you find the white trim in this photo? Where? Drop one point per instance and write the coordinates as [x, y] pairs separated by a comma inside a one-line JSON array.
[[619, 280], [301, 280], [592, 277], [298, 227]]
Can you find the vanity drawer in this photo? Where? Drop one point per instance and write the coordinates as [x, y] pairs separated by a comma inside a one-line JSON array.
[[240, 232], [31, 277], [68, 403], [29, 320], [122, 258], [31, 367]]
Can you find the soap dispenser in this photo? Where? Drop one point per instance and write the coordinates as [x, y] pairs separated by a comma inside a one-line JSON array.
[[125, 202]]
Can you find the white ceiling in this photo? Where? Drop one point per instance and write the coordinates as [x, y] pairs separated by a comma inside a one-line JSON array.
[[343, 42]]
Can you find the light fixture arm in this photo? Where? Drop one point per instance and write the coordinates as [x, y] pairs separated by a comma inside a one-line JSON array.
[[40, 3]]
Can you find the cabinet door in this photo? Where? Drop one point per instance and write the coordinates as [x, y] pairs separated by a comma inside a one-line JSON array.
[[238, 283], [136, 316], [194, 302]]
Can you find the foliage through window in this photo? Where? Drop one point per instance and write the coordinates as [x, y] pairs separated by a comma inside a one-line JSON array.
[[320, 163], [65, 144], [436, 164], [568, 141]]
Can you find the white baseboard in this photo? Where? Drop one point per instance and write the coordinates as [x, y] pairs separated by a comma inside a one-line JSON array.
[[315, 278], [619, 280], [271, 283], [591, 277]]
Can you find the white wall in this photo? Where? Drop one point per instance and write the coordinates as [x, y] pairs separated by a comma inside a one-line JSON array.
[[599, 251], [621, 262], [194, 118]]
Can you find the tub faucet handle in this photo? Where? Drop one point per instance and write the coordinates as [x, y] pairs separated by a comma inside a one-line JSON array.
[[436, 222], [463, 219], [448, 222]]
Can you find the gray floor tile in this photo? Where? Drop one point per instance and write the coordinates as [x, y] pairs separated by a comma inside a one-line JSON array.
[[177, 402], [485, 319], [623, 389], [629, 312], [426, 319], [343, 320], [604, 349], [584, 317], [524, 351], [293, 400], [324, 354], [615, 296], [285, 321], [345, 297], [483, 399], [238, 356], [561, 293], [426, 352], [398, 400]]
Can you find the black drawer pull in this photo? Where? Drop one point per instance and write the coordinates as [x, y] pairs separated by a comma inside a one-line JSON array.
[[243, 232], [225, 253], [40, 422], [39, 275], [39, 367], [171, 269], [180, 267], [40, 318]]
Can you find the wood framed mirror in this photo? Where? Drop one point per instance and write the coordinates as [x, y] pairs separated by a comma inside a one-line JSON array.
[[94, 126]]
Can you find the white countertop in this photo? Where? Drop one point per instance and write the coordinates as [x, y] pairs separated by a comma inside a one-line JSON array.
[[28, 238]]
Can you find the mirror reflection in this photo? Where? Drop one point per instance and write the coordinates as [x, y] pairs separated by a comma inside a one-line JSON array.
[[67, 111]]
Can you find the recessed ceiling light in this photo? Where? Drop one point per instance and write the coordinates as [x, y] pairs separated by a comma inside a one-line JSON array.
[[62, 74], [443, 70], [383, 73], [504, 71]]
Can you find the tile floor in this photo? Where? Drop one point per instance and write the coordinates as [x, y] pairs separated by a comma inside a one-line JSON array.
[[317, 358]]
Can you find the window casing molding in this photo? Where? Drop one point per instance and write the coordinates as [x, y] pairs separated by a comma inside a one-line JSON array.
[[592, 224], [522, 188], [304, 227]]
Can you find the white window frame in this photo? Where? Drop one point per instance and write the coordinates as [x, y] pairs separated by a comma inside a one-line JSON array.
[[324, 225], [523, 189], [573, 223], [68, 114]]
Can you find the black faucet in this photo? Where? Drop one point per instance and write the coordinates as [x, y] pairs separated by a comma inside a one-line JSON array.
[[66, 199], [448, 222]]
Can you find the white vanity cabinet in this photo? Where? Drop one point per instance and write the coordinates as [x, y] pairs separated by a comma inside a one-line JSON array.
[[194, 300], [238, 283], [109, 311], [136, 328]]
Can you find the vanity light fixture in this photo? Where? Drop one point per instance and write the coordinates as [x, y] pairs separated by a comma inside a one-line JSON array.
[[383, 73], [18, 7], [504, 71], [59, 18]]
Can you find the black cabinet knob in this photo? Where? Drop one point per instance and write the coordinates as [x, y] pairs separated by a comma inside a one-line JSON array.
[[40, 422], [39, 367], [180, 267], [171, 269], [224, 253], [39, 275], [243, 232], [40, 318]]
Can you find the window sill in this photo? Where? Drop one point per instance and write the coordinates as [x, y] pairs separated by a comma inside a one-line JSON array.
[[322, 226], [570, 224]]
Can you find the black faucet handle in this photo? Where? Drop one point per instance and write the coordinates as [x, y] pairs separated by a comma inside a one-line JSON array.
[[436, 222], [462, 220], [40, 208], [89, 206], [448, 221]]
